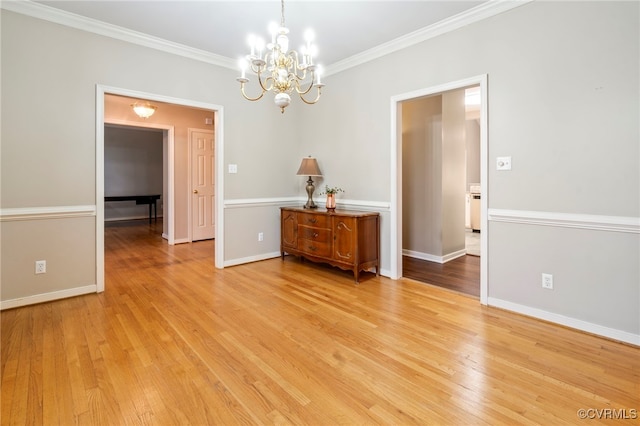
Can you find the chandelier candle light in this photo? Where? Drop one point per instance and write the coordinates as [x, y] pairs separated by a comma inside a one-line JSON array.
[[281, 70]]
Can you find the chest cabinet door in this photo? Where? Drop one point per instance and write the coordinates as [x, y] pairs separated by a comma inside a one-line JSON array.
[[344, 234], [289, 230]]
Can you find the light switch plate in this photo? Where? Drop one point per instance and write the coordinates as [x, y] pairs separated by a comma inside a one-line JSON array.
[[503, 163], [233, 168]]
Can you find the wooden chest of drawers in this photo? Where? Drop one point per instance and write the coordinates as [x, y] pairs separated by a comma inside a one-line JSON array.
[[343, 238]]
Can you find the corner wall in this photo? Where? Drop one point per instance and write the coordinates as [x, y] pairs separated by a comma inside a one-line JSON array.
[[564, 104]]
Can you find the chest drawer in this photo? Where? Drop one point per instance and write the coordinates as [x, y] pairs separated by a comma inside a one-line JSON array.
[[321, 235], [310, 219], [314, 248]]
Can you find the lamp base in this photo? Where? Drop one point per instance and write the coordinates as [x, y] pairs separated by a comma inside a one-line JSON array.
[[310, 188]]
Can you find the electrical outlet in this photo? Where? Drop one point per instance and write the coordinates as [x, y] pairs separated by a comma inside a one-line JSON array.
[[547, 281], [41, 266], [260, 236]]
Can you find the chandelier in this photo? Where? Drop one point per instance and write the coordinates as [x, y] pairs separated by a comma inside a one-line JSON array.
[[281, 70]]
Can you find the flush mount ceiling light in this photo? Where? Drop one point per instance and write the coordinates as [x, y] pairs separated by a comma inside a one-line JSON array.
[[143, 109], [281, 70]]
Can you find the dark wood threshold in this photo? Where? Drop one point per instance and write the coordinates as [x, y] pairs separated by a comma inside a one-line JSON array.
[[461, 274]]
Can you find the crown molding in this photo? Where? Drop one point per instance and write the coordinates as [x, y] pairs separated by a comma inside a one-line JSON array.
[[41, 11], [51, 14], [478, 13]]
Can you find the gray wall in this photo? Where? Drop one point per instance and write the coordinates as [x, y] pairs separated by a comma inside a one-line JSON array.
[[132, 166], [563, 102], [472, 134], [422, 176], [434, 175], [48, 163], [454, 167], [563, 84]]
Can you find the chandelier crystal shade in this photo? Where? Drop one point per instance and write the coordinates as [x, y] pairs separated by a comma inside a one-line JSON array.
[[280, 70]]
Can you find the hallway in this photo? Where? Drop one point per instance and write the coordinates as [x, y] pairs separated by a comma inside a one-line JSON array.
[[461, 274]]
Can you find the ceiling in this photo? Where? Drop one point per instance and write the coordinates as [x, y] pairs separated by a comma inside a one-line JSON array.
[[343, 28]]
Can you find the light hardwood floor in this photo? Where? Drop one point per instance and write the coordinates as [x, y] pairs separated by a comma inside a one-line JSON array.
[[174, 341]]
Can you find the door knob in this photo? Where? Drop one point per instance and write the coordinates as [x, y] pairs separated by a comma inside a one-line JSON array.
[[195, 191]]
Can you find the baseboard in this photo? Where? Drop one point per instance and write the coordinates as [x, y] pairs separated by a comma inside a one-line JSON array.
[[121, 219], [47, 297], [241, 261], [577, 324], [432, 258], [257, 258]]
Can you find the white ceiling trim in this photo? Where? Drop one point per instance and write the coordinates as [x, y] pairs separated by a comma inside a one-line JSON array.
[[41, 11], [478, 13]]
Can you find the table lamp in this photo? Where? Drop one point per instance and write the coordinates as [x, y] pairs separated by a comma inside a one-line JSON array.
[[309, 167]]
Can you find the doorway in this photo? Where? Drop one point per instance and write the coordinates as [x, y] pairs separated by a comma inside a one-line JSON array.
[[218, 117], [397, 134], [135, 173]]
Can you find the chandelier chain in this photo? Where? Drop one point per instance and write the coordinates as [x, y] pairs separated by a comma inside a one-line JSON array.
[[282, 13]]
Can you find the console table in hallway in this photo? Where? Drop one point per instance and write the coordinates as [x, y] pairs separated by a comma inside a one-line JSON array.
[[140, 199]]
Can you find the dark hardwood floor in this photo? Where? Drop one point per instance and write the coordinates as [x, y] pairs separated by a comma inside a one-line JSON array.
[[461, 274]]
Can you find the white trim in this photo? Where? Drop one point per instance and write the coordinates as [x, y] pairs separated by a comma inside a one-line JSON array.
[[577, 324], [568, 220], [395, 177], [56, 212], [41, 11], [262, 202], [272, 255], [288, 201], [362, 205], [124, 218], [99, 180], [218, 129], [433, 258], [478, 13], [249, 259], [51, 14], [47, 297]]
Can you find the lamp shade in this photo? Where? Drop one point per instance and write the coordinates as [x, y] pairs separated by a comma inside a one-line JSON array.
[[309, 167]]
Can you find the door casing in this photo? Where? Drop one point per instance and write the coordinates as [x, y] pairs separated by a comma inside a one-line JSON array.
[[396, 174], [218, 111]]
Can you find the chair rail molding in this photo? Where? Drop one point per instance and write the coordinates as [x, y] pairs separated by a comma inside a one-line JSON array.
[[625, 224], [51, 212]]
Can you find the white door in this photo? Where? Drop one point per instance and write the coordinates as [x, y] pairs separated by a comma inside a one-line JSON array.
[[202, 185]]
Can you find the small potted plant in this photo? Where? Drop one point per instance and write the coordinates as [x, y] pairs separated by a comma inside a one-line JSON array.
[[331, 192]]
